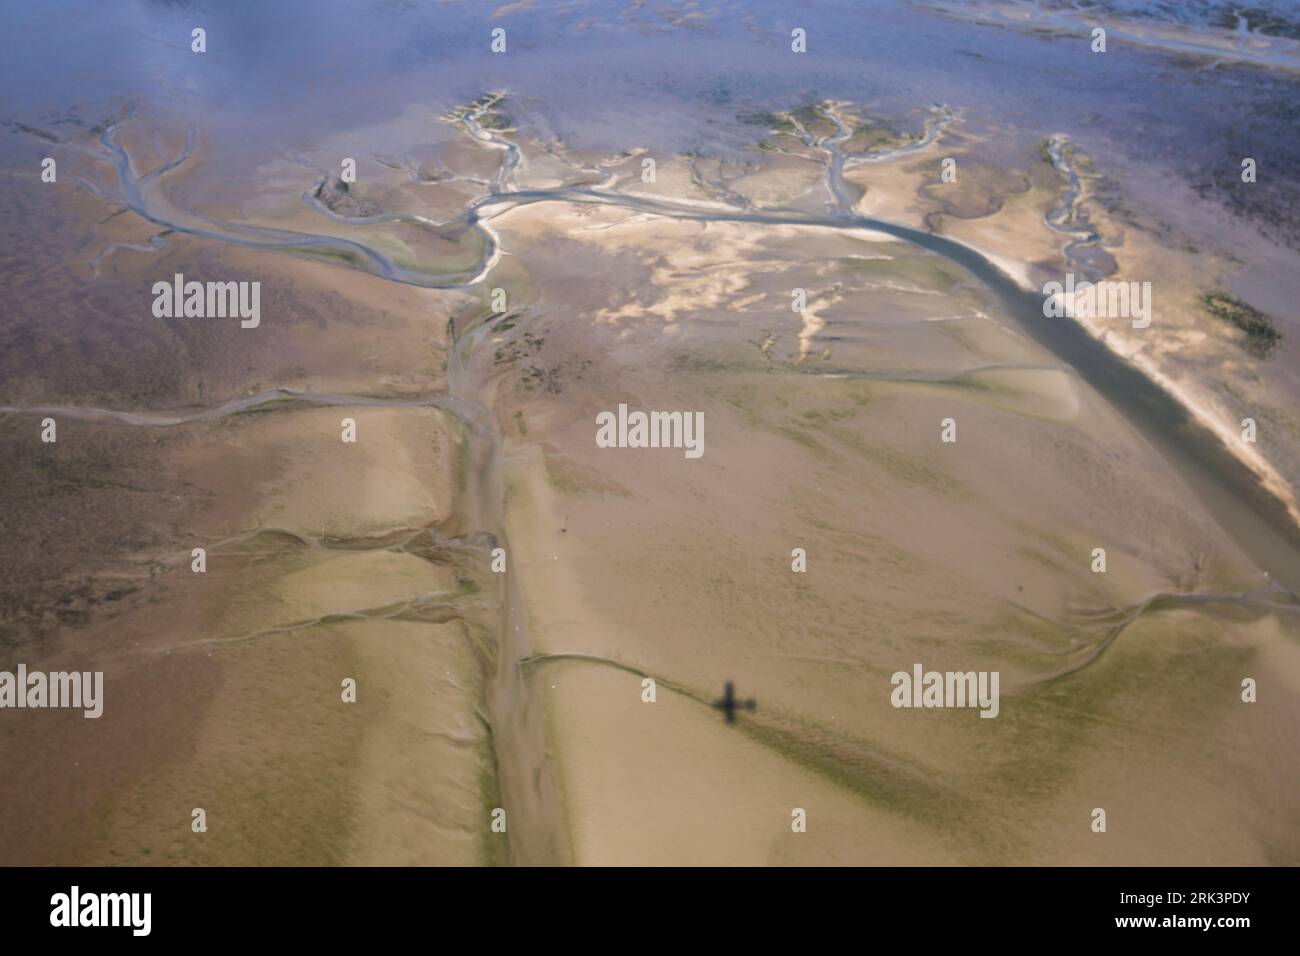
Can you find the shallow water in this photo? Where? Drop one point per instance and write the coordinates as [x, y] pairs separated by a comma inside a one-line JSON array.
[[278, 76]]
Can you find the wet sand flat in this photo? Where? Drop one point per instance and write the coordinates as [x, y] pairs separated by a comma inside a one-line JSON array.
[[430, 601], [975, 553]]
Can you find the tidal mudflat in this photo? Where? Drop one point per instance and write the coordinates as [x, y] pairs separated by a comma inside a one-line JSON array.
[[367, 585]]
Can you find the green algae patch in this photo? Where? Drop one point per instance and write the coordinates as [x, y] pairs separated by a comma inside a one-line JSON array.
[[1262, 337]]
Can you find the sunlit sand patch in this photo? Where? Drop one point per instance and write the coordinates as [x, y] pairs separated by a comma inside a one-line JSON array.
[[784, 182], [812, 324], [344, 583], [672, 180], [953, 529], [692, 266], [292, 470], [401, 479], [892, 191], [425, 781], [619, 812]]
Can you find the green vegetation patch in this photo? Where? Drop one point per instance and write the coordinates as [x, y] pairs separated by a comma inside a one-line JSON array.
[[1262, 337]]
